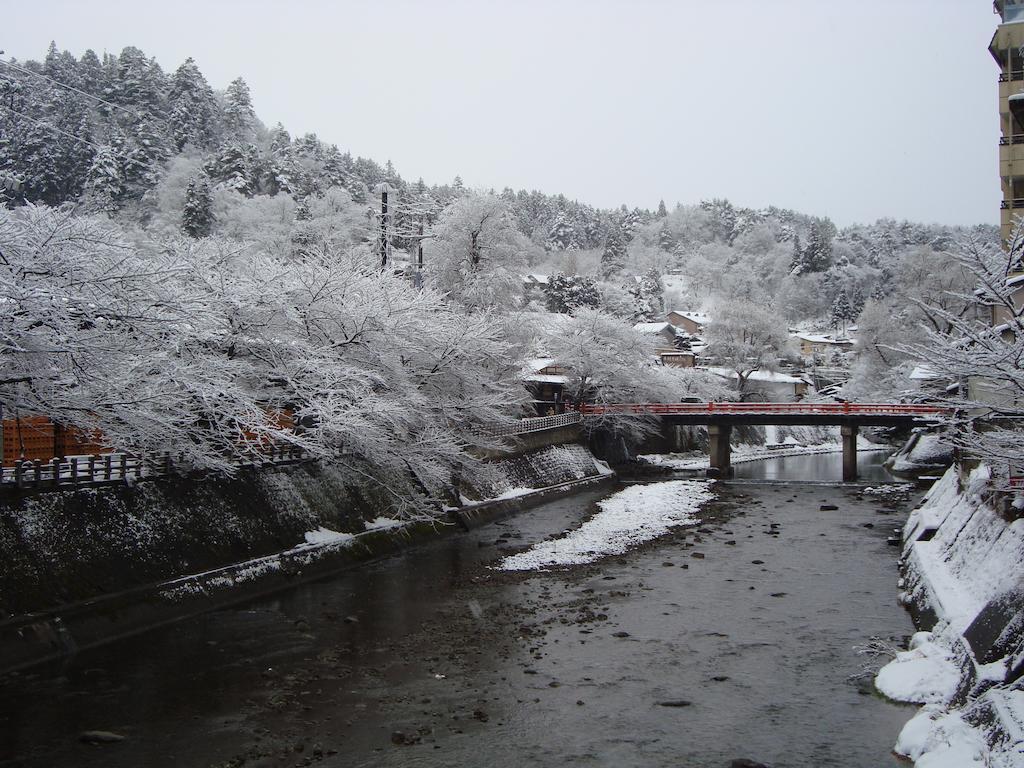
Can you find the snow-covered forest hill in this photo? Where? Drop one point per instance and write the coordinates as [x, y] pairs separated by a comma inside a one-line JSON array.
[[187, 259]]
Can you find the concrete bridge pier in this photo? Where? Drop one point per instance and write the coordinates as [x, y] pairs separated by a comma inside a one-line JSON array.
[[720, 450], [848, 437]]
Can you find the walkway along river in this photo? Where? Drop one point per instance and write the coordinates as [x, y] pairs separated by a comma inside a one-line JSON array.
[[733, 638]]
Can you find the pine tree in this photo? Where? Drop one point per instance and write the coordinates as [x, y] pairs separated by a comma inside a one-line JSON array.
[[798, 261], [723, 219], [193, 115], [239, 117], [662, 210], [197, 215], [818, 255], [235, 167], [560, 236], [667, 240], [90, 73], [653, 289], [563, 293], [614, 257], [137, 83], [842, 311], [104, 186]]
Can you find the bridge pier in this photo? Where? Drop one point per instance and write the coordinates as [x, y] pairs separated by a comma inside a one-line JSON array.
[[848, 437], [720, 450]]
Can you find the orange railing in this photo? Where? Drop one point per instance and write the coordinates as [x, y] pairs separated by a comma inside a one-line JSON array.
[[755, 409]]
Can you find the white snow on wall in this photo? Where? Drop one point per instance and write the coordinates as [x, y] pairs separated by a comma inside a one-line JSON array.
[[968, 561]]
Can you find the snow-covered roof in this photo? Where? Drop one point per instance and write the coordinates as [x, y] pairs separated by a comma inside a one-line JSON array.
[[817, 338], [546, 378], [774, 377], [538, 363], [652, 327], [535, 278], [701, 318]]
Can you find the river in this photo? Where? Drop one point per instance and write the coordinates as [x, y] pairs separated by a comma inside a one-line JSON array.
[[734, 638]]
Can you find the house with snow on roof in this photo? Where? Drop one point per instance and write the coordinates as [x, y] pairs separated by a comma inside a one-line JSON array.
[[816, 345], [546, 381], [769, 386], [667, 344], [693, 323]]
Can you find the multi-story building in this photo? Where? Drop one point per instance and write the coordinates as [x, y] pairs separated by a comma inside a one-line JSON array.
[[1007, 47]]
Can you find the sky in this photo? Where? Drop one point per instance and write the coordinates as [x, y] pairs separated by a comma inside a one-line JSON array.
[[852, 110]]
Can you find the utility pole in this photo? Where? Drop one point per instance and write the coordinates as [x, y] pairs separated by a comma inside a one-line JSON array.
[[417, 277], [383, 240]]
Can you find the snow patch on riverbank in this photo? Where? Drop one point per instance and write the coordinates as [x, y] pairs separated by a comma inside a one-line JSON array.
[[326, 536], [630, 517], [924, 674]]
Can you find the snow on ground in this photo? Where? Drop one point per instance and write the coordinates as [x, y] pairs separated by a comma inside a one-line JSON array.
[[382, 524], [924, 674], [326, 536], [928, 451], [746, 452], [513, 493], [937, 739], [630, 517]]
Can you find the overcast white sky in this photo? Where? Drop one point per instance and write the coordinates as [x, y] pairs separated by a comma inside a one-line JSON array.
[[855, 110]]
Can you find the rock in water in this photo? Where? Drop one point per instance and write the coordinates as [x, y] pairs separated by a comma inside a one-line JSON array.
[[744, 762], [100, 737], [675, 703]]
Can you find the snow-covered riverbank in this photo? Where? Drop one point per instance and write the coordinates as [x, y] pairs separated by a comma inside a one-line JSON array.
[[746, 452], [962, 575]]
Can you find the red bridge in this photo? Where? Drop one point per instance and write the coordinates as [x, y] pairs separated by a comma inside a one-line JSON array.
[[720, 417]]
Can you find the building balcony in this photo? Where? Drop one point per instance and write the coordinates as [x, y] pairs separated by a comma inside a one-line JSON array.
[[1012, 205], [1011, 157], [1010, 11]]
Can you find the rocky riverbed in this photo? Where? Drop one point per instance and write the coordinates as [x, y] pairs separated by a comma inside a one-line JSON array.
[[733, 639]]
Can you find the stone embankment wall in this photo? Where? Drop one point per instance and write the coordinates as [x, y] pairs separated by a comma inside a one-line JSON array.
[[149, 552], [963, 582]]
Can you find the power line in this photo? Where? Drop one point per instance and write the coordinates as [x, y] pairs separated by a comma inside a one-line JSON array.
[[79, 139], [131, 112]]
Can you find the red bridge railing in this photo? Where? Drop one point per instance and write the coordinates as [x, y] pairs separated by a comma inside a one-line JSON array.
[[755, 409]]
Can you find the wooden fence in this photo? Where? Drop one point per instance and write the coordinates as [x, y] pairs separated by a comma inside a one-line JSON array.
[[113, 468], [525, 426]]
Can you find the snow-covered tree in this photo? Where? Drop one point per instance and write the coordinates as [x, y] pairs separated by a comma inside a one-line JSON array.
[[193, 107], [613, 259], [745, 338], [197, 215], [564, 293], [239, 117], [562, 235], [842, 312], [104, 185], [476, 255], [982, 350]]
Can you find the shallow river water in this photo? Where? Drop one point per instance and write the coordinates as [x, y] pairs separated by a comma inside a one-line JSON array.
[[734, 638]]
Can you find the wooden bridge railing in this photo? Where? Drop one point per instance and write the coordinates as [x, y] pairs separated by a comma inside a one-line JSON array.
[[537, 424], [796, 409]]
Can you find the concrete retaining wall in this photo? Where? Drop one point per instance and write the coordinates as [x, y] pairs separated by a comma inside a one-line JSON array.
[[85, 567]]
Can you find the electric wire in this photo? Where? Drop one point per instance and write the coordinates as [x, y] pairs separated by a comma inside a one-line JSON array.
[[131, 112]]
